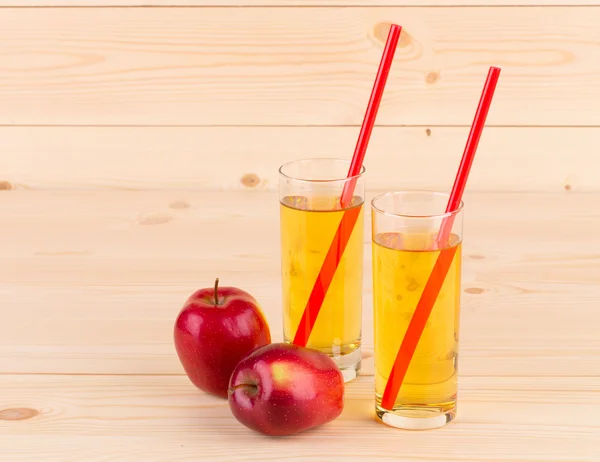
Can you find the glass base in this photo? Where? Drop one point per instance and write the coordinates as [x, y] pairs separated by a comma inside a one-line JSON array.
[[416, 417], [349, 364], [347, 358]]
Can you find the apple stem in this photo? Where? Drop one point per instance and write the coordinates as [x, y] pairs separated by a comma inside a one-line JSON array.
[[216, 293], [252, 388]]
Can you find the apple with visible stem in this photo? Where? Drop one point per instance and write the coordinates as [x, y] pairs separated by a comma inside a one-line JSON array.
[[282, 389], [214, 330]]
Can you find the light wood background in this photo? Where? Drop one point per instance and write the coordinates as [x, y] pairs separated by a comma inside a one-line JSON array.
[[142, 98], [139, 145]]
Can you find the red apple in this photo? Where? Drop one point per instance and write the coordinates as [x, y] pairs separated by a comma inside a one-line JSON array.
[[214, 330], [282, 389]]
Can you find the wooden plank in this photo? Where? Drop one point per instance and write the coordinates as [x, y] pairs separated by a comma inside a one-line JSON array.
[[243, 158], [81, 267], [295, 66], [291, 3], [71, 418]]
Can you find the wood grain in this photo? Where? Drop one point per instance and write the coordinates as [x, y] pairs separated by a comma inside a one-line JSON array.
[[295, 66], [291, 3], [92, 281], [248, 158], [166, 418]]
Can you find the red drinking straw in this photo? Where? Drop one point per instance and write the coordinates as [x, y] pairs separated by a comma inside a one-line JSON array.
[[344, 231], [442, 265]]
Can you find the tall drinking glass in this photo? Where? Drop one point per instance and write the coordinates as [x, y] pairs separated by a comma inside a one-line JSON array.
[[405, 249], [311, 219]]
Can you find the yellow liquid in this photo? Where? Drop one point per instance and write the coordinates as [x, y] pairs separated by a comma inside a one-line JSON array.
[[308, 227], [401, 269]]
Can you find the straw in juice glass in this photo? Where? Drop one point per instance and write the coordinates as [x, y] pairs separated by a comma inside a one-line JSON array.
[[344, 231], [444, 261]]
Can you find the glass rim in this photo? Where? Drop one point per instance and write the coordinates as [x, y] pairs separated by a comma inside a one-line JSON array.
[[313, 159], [404, 215]]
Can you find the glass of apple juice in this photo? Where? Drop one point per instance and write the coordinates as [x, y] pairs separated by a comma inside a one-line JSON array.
[[322, 304], [405, 249]]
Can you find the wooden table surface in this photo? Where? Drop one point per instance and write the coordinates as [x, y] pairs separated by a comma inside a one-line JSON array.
[[91, 283]]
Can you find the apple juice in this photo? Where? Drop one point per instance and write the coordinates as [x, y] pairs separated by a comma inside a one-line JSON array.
[[308, 226], [402, 264]]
